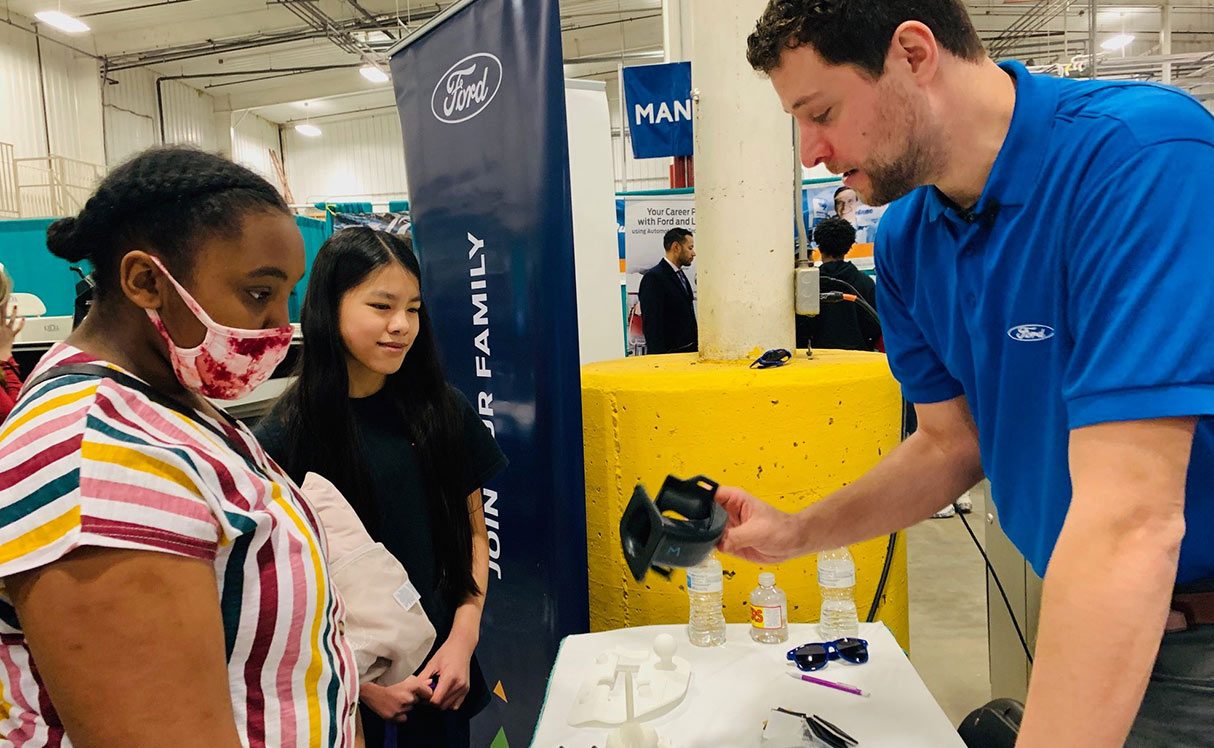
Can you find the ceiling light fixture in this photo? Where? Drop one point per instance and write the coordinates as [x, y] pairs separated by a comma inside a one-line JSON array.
[[1114, 43], [374, 73], [62, 21], [306, 128]]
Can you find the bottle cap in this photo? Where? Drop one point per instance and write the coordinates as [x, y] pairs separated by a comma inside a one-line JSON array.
[[767, 579]]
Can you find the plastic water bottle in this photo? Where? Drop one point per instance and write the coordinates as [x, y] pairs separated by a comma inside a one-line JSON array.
[[837, 583], [706, 624], [768, 611]]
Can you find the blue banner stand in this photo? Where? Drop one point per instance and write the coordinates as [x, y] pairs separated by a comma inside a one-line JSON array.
[[481, 97]]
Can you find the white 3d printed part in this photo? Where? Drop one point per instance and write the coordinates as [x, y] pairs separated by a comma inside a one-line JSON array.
[[633, 735], [625, 686]]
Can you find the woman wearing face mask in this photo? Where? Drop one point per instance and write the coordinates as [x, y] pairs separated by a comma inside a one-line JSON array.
[[163, 582], [372, 412]]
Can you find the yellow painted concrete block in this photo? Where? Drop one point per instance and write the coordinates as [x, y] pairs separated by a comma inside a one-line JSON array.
[[790, 435]]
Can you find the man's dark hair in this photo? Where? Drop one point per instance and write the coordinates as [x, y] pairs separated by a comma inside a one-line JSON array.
[[677, 234], [834, 237], [856, 32], [165, 199]]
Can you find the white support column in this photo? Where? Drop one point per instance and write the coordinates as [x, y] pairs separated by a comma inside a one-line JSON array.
[[90, 119], [225, 123], [1165, 39], [676, 30], [744, 207], [1092, 44], [625, 142]]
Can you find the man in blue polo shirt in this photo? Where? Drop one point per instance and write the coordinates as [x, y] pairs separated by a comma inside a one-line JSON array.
[[1039, 308]]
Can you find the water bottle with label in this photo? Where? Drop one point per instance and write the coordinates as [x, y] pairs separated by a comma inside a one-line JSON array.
[[837, 583], [706, 624], [768, 611]]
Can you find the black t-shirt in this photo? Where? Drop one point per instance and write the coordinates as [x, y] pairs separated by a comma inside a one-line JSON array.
[[404, 523], [842, 325]]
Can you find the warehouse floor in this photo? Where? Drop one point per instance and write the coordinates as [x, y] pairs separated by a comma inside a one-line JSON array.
[[948, 611]]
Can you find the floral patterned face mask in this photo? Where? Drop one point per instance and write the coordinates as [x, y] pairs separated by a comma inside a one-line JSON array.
[[229, 362]]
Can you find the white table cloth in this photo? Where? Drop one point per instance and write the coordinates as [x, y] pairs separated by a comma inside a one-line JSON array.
[[733, 688]]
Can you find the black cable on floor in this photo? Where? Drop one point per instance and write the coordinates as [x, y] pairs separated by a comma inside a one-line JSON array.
[[998, 584], [889, 561]]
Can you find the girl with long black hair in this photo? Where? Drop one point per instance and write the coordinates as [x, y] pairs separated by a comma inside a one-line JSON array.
[[372, 412]]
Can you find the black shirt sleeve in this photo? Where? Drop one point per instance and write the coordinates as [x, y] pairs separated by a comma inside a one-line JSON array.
[[269, 433], [272, 437], [483, 457]]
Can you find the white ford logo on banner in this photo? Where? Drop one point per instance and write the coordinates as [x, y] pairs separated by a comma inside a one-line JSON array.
[[466, 89]]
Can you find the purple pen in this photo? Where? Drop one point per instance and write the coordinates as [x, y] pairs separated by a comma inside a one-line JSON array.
[[829, 684]]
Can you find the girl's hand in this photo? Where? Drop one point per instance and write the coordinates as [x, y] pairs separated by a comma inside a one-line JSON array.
[[450, 665], [394, 702], [11, 325]]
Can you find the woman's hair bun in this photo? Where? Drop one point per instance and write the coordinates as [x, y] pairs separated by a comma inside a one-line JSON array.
[[63, 240]]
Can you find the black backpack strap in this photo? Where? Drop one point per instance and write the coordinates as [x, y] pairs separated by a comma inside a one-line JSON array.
[[98, 371]]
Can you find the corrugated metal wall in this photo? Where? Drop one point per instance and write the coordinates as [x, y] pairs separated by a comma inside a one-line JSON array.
[[632, 174], [10, 206], [72, 99], [189, 116], [363, 159], [642, 174], [358, 157], [73, 103], [354, 159], [81, 119], [21, 121], [70, 120], [130, 114], [252, 140], [132, 124]]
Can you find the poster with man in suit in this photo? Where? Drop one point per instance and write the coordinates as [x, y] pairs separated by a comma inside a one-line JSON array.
[[667, 298], [644, 222]]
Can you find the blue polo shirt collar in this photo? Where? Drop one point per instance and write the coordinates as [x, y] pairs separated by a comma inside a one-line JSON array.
[[1015, 174]]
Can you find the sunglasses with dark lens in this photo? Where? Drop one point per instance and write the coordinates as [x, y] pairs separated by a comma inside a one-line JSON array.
[[772, 358], [809, 657]]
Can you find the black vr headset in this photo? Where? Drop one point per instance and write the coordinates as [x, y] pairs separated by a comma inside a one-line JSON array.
[[651, 539]]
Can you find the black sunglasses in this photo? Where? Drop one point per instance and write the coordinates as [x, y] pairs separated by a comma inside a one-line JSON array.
[[774, 357], [809, 657]]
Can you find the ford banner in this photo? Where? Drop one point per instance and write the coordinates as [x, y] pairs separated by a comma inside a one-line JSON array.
[[482, 105], [467, 88], [657, 102]]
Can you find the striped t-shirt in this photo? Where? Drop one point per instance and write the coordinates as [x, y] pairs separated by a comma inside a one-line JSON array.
[[85, 461]]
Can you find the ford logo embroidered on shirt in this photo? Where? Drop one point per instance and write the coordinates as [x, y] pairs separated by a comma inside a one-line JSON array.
[[1030, 333], [467, 88]]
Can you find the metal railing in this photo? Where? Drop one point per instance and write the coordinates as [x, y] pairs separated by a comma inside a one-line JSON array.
[[10, 203], [54, 185], [381, 198], [1028, 26]]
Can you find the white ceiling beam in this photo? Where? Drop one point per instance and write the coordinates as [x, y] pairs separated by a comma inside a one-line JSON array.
[[195, 31], [311, 86]]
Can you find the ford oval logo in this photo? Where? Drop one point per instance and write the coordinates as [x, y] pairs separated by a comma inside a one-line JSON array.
[[1030, 333], [467, 88]]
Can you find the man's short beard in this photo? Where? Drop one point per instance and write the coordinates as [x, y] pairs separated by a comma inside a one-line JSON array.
[[916, 166], [895, 179]]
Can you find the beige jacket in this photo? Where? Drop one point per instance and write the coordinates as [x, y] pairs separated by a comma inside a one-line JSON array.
[[385, 623]]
